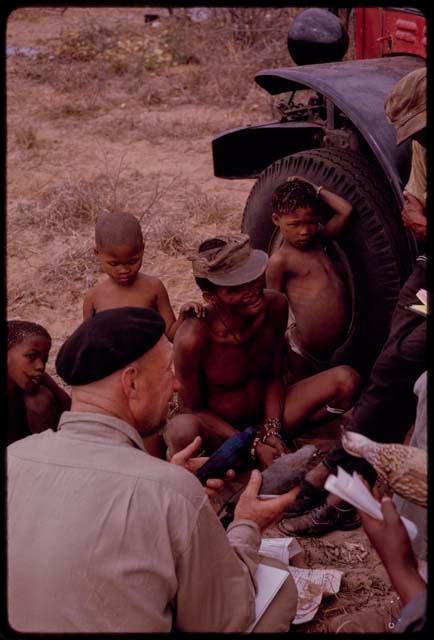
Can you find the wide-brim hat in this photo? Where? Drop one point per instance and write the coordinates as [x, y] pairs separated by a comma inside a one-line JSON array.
[[229, 260], [415, 124], [405, 106]]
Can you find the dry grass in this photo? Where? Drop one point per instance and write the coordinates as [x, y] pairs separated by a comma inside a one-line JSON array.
[[77, 265], [26, 138], [173, 61], [204, 208], [81, 63], [173, 238], [73, 271], [76, 202]]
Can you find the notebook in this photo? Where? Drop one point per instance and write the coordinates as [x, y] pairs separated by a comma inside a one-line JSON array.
[[269, 580]]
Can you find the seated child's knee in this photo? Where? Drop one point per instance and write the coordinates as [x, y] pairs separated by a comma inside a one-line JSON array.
[[348, 380]]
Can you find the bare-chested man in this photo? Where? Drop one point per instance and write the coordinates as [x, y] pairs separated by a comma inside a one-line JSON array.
[[301, 268], [229, 363]]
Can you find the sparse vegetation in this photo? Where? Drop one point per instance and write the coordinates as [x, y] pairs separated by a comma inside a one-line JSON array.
[[26, 138]]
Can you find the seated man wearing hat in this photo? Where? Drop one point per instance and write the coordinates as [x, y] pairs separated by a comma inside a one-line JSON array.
[[103, 537], [229, 363]]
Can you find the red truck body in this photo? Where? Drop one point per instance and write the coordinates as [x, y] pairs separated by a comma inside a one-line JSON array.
[[385, 31]]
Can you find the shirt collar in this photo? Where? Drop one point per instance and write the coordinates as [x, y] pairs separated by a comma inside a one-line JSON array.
[[87, 424]]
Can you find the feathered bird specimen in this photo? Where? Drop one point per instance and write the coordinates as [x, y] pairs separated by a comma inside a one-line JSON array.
[[285, 473], [403, 468]]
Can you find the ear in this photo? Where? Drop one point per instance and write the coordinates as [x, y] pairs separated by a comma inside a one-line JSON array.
[[275, 219], [129, 381]]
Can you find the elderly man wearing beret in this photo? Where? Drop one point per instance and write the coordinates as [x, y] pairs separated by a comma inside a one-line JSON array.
[[103, 537]]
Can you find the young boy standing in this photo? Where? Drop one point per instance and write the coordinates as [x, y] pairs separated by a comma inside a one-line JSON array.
[[301, 268], [35, 401], [119, 248]]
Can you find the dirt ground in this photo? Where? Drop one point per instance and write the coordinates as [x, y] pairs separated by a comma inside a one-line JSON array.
[[104, 112]]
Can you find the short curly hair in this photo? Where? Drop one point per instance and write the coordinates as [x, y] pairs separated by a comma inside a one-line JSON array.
[[19, 330], [115, 229], [291, 195]]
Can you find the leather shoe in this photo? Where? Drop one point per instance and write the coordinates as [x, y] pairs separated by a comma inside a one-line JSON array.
[[308, 498], [320, 521]]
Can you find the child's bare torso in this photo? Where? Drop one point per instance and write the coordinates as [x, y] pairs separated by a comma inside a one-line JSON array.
[[110, 295], [317, 297]]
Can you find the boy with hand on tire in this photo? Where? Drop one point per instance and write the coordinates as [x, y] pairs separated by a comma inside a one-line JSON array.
[[302, 269]]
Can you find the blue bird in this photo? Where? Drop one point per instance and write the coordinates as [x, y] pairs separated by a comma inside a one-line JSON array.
[[228, 456]]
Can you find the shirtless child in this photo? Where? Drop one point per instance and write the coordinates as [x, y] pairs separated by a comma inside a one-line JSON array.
[[35, 401], [119, 247], [301, 268], [229, 363]]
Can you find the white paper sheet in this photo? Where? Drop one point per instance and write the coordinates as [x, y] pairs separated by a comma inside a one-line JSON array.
[[312, 585], [282, 549], [352, 490]]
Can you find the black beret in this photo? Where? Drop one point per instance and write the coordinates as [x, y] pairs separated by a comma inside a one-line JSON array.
[[107, 342]]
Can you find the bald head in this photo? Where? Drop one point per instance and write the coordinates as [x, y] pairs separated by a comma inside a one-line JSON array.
[[118, 229]]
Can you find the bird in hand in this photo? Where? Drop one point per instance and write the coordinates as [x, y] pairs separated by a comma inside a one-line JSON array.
[[403, 468]]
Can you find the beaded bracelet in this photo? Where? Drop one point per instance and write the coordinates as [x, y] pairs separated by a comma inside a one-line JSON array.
[[255, 443], [271, 432], [272, 427], [273, 422]]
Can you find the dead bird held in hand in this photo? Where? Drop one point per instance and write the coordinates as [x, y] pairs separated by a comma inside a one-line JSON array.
[[285, 473], [228, 456], [403, 468]]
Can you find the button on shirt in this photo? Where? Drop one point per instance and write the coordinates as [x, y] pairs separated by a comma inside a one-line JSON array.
[[103, 537]]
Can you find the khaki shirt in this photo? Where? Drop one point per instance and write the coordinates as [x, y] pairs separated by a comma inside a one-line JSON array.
[[104, 537], [416, 184]]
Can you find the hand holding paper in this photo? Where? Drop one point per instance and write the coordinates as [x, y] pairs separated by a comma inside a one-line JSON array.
[[352, 490], [422, 308]]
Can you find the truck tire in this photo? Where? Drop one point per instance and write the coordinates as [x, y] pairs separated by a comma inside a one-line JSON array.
[[374, 248]]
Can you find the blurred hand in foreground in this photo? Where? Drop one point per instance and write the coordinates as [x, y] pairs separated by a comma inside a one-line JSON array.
[[414, 216], [390, 539]]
